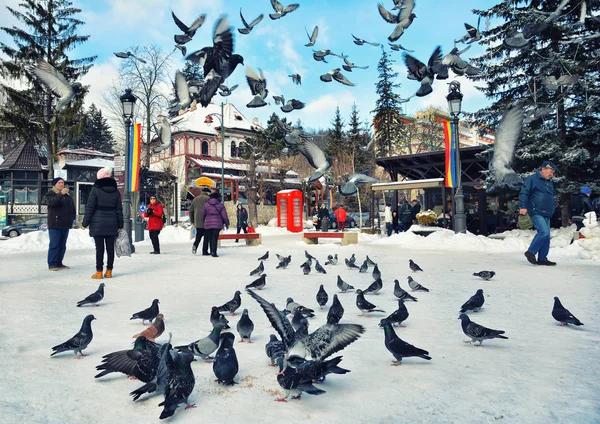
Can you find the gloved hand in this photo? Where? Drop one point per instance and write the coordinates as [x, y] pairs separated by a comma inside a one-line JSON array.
[[149, 211]]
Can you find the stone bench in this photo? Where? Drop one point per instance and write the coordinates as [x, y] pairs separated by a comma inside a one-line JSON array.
[[252, 239], [346, 238]]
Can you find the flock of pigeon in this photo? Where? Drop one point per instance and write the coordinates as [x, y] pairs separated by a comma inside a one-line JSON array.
[[302, 357]]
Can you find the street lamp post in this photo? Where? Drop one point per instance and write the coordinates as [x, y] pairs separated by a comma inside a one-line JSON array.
[[454, 99], [128, 103], [222, 122]]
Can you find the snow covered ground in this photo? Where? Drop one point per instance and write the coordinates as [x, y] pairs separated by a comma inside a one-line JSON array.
[[543, 373]]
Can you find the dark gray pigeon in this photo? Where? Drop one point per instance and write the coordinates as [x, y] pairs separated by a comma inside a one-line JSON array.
[[291, 379], [258, 270], [403, 19], [400, 293], [291, 105], [374, 287], [376, 273], [360, 41], [226, 365], [398, 47], [79, 341], [398, 347], [179, 384], [484, 275], [562, 314], [309, 256], [364, 305], [93, 298], [336, 74], [181, 48], [258, 87], [233, 304], [399, 315], [249, 26], [259, 283], [297, 319], [274, 349], [472, 34], [158, 384], [264, 257], [474, 303], [478, 332], [332, 259], [284, 263], [147, 314], [226, 91], [312, 38], [319, 268], [416, 286], [342, 285], [413, 266], [306, 268], [218, 319], [280, 257], [350, 265], [245, 327], [127, 55], [140, 362], [281, 10], [188, 32], [296, 79], [322, 297], [352, 259], [425, 74], [336, 311], [205, 346], [370, 262], [363, 268]]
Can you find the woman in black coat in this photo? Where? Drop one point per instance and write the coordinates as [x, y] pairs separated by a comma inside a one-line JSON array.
[[242, 219], [104, 217]]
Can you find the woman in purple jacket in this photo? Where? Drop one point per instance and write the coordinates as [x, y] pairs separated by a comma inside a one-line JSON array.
[[215, 217]]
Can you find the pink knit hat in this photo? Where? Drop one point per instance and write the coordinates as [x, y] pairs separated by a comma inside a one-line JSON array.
[[104, 173]]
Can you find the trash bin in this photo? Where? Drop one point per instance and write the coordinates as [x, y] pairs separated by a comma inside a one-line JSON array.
[[138, 229], [325, 224]]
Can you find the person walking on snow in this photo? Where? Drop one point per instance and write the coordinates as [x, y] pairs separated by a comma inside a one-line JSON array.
[[215, 217], [340, 217], [155, 223], [196, 219]]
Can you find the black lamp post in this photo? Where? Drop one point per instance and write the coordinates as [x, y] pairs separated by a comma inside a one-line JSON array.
[[454, 98], [128, 103]]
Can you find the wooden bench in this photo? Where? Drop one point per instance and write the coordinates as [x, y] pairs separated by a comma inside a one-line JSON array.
[[252, 239], [312, 237]]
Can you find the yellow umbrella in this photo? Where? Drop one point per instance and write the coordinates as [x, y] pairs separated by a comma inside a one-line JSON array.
[[205, 182]]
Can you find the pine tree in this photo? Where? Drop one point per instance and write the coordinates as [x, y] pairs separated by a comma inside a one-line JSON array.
[[96, 133], [335, 136], [387, 122], [568, 134], [50, 31]]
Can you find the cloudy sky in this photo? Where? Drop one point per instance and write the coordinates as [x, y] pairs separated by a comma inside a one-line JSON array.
[[278, 47]]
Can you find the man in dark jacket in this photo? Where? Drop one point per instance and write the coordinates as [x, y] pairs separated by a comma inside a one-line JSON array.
[[61, 214], [582, 205], [405, 215], [241, 215], [196, 219], [537, 199]]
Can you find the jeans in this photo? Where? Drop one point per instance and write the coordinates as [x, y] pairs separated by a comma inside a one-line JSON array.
[[57, 246], [154, 237], [388, 227], [540, 244], [199, 235], [101, 241]]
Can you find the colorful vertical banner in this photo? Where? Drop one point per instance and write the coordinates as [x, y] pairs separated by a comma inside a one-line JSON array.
[[133, 157], [450, 164]]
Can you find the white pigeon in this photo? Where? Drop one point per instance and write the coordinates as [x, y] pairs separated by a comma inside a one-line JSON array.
[[508, 135], [164, 134], [55, 82], [182, 91]]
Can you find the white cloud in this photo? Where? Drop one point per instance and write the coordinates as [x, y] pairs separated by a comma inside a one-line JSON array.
[[99, 77]]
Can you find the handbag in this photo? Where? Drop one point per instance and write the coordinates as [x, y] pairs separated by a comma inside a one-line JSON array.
[[524, 222], [122, 244]]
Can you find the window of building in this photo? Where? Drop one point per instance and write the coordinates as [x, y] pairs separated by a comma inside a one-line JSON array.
[[190, 146], [233, 150], [205, 148], [198, 145]]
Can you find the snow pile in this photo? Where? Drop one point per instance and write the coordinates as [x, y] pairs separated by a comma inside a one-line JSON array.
[[272, 222], [590, 245], [38, 241]]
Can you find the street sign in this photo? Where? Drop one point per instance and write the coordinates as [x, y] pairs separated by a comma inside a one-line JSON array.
[[142, 208]]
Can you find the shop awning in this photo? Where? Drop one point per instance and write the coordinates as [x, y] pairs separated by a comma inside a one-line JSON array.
[[408, 185]]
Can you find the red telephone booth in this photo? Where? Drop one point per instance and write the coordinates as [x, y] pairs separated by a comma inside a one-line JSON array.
[[289, 210]]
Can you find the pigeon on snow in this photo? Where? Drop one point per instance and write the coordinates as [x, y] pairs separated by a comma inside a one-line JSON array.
[[374, 287], [155, 330], [336, 311], [562, 314], [79, 341], [322, 296], [205, 346], [258, 270], [398, 347], [147, 314], [264, 257], [245, 327], [332, 259], [376, 273], [179, 383], [342, 285], [158, 383], [259, 283], [399, 315], [413, 266], [478, 332], [140, 362], [416, 286], [225, 365], [484, 275], [474, 303], [364, 305], [218, 319], [232, 305], [93, 298], [274, 349], [400, 293]]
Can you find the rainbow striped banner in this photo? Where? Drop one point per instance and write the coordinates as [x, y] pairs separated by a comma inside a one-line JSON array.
[[133, 157], [451, 178]]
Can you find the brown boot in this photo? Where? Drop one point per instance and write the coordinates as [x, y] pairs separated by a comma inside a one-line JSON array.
[[97, 275], [108, 273]]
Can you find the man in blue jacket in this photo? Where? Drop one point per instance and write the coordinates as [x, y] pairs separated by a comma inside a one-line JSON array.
[[537, 199]]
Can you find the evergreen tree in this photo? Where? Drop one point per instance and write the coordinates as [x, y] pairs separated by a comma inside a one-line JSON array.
[[568, 134], [49, 31], [335, 136], [387, 122], [96, 132]]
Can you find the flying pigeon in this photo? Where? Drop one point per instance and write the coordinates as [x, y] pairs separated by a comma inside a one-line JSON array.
[[508, 135], [350, 188], [536, 113], [368, 146], [315, 156], [552, 83], [55, 82], [164, 134], [259, 283], [350, 265], [399, 315], [374, 287], [562, 315], [474, 303], [274, 349], [398, 347], [472, 34], [264, 257], [258, 270], [376, 273], [319, 55], [79, 341], [182, 94], [400, 293], [147, 314], [398, 47], [413, 266], [155, 330], [322, 297], [233, 304], [258, 87], [127, 55], [457, 63], [245, 327], [478, 332], [336, 311], [342, 285], [484, 275], [425, 74], [188, 32], [291, 105], [515, 39], [364, 305], [312, 38], [248, 27], [336, 75], [218, 61], [204, 347], [226, 91], [280, 10], [363, 268], [140, 362], [360, 41], [319, 268], [181, 48], [93, 298], [296, 78], [416, 286], [218, 319], [402, 20], [332, 259], [179, 384]]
